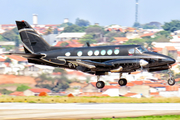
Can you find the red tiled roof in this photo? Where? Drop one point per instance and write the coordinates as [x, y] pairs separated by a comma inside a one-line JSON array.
[[56, 73], [2, 60], [170, 48], [92, 94], [154, 93], [129, 94], [39, 90], [17, 94], [137, 72], [147, 34], [137, 82], [93, 83], [129, 84], [76, 73], [15, 57], [71, 43], [110, 86], [156, 85], [113, 83], [0, 94], [157, 49], [121, 39], [147, 82], [172, 88]]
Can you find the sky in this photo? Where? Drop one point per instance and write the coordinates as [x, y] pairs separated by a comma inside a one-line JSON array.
[[104, 12]]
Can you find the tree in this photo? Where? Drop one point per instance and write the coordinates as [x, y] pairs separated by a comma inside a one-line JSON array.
[[110, 35], [137, 25], [172, 26], [5, 91], [11, 35], [136, 41], [48, 31], [55, 31], [148, 26], [81, 22], [74, 28], [87, 38], [22, 88], [53, 83], [65, 25]]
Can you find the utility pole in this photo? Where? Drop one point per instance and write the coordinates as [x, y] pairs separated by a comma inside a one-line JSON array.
[[136, 15]]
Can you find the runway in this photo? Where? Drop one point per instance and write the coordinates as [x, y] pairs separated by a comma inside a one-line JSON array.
[[83, 110]]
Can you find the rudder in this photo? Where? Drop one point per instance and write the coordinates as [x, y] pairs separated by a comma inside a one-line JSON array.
[[32, 41]]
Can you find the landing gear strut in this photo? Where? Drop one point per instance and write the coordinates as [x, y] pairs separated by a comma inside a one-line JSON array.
[[122, 81], [99, 84], [171, 80]]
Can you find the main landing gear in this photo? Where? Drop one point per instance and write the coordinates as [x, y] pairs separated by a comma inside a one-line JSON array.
[[99, 84], [122, 81], [171, 80]]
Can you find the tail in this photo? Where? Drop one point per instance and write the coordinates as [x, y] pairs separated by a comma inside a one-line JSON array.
[[32, 41]]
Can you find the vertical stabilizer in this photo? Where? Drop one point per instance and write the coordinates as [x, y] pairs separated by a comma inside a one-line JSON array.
[[32, 41]]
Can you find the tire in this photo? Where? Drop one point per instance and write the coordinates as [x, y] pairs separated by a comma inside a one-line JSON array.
[[122, 82], [100, 84], [171, 81]]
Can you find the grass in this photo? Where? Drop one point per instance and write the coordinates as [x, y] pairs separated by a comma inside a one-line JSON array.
[[59, 99], [164, 117]]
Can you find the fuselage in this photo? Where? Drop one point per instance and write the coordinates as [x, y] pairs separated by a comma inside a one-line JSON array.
[[127, 56]]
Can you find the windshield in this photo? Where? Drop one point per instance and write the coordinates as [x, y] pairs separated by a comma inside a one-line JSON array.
[[142, 49]]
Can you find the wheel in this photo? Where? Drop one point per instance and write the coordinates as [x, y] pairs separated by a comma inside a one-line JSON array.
[[100, 84], [171, 81], [122, 82]]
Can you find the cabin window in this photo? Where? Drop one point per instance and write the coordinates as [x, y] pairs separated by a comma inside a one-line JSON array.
[[90, 52], [68, 54], [131, 51], [79, 53], [103, 52], [109, 52], [116, 51], [142, 49], [96, 52]]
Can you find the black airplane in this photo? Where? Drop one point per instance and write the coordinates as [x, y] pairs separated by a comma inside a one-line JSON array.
[[97, 60]]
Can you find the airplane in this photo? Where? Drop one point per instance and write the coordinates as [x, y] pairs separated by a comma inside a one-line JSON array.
[[98, 60]]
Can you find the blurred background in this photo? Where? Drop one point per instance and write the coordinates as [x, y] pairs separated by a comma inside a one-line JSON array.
[[153, 24]]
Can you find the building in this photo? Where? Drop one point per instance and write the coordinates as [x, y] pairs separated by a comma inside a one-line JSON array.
[[36, 91], [69, 36]]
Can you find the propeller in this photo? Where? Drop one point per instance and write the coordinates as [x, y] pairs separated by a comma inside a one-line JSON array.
[[143, 63]]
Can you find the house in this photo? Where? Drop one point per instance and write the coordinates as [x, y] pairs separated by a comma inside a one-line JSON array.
[[112, 92], [36, 91], [69, 43], [171, 91], [17, 94], [69, 36], [90, 87], [140, 89], [35, 70], [154, 94], [77, 85], [120, 40], [171, 51]]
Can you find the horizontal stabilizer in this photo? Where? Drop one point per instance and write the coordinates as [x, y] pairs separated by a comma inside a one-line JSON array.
[[27, 55]]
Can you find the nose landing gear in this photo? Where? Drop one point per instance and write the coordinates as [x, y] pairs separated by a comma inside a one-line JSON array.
[[171, 80]]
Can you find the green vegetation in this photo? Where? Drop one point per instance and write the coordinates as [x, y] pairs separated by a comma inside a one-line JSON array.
[[172, 26], [64, 99], [82, 23], [53, 83], [22, 88], [158, 117], [5, 91], [87, 38], [74, 28]]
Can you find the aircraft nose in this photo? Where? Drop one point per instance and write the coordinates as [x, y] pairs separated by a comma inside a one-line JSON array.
[[171, 60]]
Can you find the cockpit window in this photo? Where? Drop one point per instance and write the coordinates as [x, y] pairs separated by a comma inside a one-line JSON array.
[[142, 49], [131, 51]]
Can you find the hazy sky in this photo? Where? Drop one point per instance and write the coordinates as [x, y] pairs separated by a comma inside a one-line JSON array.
[[104, 12]]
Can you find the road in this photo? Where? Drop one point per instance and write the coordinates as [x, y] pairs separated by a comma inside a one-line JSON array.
[[41, 111]]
